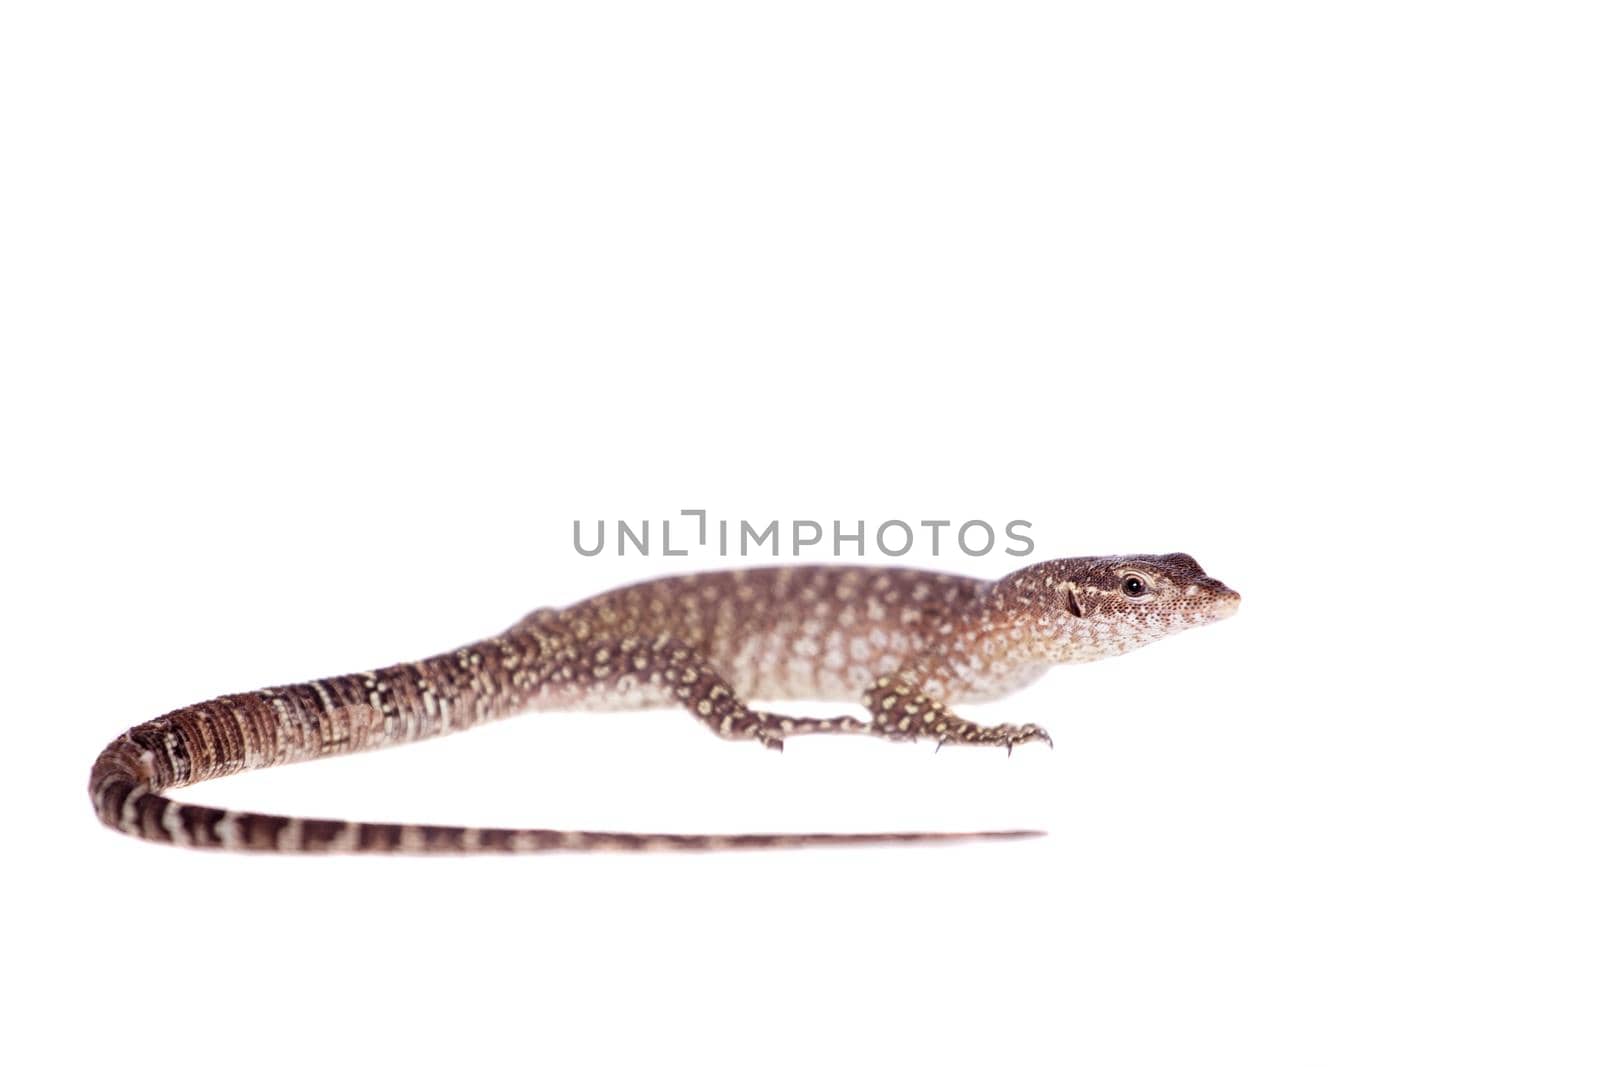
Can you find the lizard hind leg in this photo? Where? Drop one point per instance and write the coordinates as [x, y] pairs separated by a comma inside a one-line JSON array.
[[693, 681]]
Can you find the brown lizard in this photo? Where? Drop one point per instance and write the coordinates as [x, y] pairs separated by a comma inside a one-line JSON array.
[[907, 643]]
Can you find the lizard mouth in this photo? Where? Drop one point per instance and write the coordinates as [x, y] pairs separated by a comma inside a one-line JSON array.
[[1072, 603]]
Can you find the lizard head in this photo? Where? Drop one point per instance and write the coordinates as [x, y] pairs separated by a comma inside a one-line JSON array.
[[1099, 606]]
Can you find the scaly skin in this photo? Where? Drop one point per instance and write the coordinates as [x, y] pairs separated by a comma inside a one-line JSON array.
[[908, 644]]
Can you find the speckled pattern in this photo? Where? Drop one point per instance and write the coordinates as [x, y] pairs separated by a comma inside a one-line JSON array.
[[906, 644]]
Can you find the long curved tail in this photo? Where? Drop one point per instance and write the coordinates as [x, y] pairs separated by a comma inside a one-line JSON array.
[[352, 713]]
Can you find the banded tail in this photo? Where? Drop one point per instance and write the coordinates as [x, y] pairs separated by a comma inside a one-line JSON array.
[[352, 713]]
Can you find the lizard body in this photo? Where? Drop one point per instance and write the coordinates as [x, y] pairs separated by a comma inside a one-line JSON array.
[[906, 643]]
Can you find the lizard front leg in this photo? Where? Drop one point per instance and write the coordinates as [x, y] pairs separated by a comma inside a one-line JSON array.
[[902, 711]]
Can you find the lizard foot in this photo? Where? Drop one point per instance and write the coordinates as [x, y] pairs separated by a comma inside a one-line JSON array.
[[1006, 734], [771, 729]]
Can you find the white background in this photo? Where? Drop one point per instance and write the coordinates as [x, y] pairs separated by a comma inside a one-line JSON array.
[[323, 321]]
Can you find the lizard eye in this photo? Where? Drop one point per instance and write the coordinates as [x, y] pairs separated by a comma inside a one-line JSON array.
[[1133, 585]]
